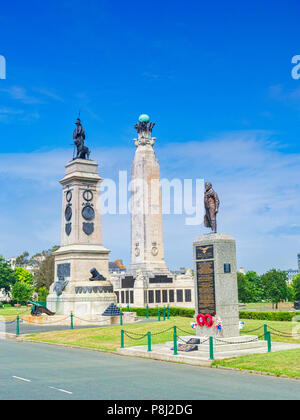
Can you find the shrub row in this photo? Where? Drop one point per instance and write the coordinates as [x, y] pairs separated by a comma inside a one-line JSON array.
[[189, 313], [153, 312], [268, 316]]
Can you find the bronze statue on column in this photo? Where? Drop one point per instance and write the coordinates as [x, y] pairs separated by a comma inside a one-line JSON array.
[[211, 204]]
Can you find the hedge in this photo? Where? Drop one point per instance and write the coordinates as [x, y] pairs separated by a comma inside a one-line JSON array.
[[268, 316], [153, 312], [189, 313]]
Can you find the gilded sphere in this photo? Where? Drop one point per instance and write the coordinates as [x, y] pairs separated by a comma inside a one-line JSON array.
[[144, 118]]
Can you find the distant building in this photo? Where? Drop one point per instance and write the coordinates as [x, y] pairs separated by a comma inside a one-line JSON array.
[[291, 273], [117, 266], [242, 270]]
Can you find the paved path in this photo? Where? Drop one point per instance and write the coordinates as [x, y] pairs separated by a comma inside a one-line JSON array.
[[40, 371]]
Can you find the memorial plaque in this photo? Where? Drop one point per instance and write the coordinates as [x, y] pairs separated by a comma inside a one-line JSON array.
[[151, 296], [206, 287], [128, 282], [63, 270], [165, 296], [204, 252], [161, 279]]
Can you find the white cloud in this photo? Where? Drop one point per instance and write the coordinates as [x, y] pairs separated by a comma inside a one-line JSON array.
[[258, 185]]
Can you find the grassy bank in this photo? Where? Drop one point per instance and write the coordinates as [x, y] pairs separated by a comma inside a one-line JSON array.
[[108, 338], [285, 362], [10, 313], [280, 331]]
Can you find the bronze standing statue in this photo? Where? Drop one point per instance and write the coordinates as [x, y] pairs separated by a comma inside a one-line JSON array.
[[211, 204], [83, 152]]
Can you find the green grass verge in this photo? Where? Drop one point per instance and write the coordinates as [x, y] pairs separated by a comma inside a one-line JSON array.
[[281, 326], [286, 362], [284, 306], [108, 338], [10, 313]]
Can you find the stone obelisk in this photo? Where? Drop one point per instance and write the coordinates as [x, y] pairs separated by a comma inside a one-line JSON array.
[[81, 279], [147, 247]]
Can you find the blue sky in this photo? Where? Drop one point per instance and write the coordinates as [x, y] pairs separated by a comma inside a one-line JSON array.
[[214, 76]]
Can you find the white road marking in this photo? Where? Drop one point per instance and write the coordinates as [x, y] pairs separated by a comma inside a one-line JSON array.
[[21, 379], [61, 390]]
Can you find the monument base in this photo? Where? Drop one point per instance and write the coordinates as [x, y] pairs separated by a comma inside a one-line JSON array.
[[84, 299], [64, 320], [216, 284]]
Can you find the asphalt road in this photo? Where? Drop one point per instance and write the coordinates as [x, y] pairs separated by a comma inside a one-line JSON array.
[[43, 372]]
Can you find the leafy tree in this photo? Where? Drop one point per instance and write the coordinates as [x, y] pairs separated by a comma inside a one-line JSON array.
[[21, 292], [290, 293], [296, 286], [24, 276], [8, 276], [22, 260], [42, 294], [274, 284], [249, 287], [44, 271]]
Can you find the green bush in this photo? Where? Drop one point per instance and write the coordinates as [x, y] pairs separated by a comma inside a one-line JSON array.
[[189, 313], [153, 312], [268, 316], [43, 292]]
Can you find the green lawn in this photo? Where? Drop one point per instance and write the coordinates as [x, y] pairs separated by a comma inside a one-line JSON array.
[[10, 313], [108, 338], [260, 306], [285, 362], [279, 326]]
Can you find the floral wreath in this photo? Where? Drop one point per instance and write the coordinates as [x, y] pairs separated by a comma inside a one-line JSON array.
[[206, 319]]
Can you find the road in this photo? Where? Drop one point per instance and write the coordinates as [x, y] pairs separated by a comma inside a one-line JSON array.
[[31, 371]]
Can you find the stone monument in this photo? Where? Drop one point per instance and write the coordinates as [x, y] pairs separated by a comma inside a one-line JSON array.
[[148, 266], [215, 277], [81, 278]]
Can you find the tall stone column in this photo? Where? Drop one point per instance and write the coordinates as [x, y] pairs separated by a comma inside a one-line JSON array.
[[81, 278], [147, 247]]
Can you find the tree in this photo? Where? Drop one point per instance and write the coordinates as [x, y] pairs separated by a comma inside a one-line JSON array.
[[22, 260], [21, 292], [42, 294], [296, 286], [274, 284], [290, 293], [24, 276], [249, 287], [8, 276], [44, 271]]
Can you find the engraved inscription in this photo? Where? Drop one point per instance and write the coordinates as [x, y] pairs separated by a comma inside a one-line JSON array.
[[204, 252], [206, 287]]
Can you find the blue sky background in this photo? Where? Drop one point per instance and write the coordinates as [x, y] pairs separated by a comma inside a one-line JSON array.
[[214, 76]]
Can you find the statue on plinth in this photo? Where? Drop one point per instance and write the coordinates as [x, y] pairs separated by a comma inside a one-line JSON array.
[[83, 152], [211, 204]]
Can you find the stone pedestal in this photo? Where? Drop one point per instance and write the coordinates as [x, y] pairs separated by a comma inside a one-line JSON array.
[[216, 284], [81, 247]]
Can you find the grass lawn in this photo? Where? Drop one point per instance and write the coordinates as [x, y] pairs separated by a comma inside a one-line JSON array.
[[287, 327], [10, 313], [108, 338], [260, 306], [285, 362]]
